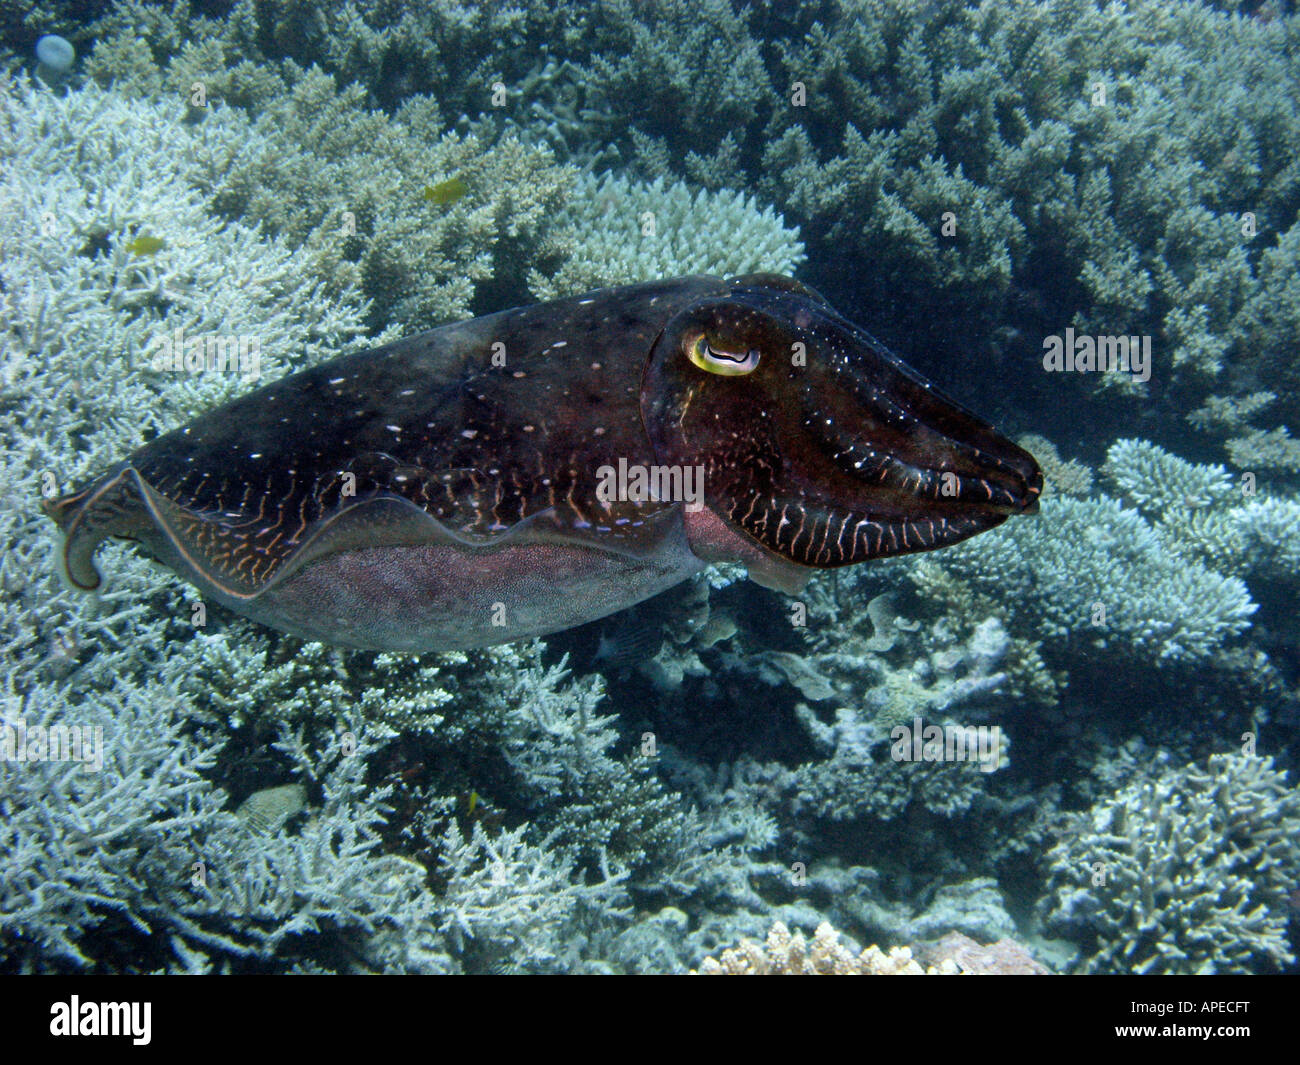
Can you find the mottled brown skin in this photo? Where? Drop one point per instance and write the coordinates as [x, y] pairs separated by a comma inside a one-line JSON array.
[[441, 491]]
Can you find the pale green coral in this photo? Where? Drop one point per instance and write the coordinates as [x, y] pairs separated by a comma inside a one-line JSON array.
[[623, 231], [884, 791], [608, 808], [1213, 537], [246, 675], [1157, 482], [1069, 477], [1268, 328], [921, 226], [1201, 513], [348, 186], [1185, 872], [1270, 529], [1093, 571]]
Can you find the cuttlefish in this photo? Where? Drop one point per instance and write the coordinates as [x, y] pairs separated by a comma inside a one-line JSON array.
[[523, 472]]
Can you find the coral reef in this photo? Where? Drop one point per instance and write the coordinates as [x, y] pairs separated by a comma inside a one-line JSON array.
[[1013, 169], [1185, 872], [993, 172], [140, 859], [1270, 535], [784, 954], [622, 231], [1093, 571], [1155, 481], [515, 906], [147, 849], [347, 185], [1198, 512], [1070, 142], [84, 174]]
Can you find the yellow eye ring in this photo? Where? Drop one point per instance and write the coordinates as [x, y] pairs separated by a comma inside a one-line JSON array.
[[726, 363]]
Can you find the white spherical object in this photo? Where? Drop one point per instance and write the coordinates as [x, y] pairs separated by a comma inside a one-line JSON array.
[[56, 53]]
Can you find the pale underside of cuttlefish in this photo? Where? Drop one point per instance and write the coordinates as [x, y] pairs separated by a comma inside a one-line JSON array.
[[527, 471]]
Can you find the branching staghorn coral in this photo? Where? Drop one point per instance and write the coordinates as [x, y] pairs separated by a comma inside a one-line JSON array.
[[1187, 871], [622, 231], [142, 862], [515, 905], [1093, 571], [349, 185], [244, 675], [610, 809], [1201, 514], [1157, 482]]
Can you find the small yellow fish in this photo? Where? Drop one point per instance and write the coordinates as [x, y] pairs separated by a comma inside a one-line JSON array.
[[473, 803], [145, 245], [445, 192]]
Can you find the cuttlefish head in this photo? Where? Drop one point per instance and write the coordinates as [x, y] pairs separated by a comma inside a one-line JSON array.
[[816, 442]]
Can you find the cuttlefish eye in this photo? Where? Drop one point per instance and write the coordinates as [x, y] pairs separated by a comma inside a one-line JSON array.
[[709, 357]]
